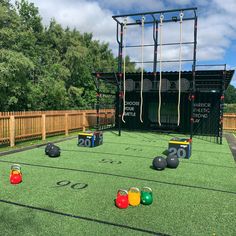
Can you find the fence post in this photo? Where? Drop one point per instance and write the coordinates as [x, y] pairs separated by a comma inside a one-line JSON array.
[[66, 124], [12, 131], [83, 120], [43, 127], [113, 118], [106, 119]]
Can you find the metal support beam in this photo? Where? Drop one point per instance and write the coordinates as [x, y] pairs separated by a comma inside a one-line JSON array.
[[192, 9]]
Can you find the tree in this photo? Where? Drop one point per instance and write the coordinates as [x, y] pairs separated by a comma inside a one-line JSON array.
[[48, 67], [15, 74], [230, 94], [48, 94], [29, 15], [9, 24]]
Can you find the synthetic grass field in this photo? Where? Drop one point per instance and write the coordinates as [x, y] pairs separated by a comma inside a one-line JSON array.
[[74, 194]]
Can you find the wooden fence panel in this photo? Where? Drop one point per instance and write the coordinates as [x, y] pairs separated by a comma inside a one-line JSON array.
[[91, 119], [26, 125], [75, 121], [17, 126], [229, 122], [55, 123], [4, 129]]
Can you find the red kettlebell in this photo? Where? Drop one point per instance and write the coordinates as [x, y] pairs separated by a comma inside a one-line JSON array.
[[122, 200], [15, 178]]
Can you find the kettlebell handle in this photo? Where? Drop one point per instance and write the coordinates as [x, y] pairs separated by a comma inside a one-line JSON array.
[[122, 191], [15, 166], [134, 188], [147, 188]]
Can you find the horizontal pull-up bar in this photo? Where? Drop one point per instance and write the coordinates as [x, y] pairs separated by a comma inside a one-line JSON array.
[[156, 20], [151, 62], [156, 12], [153, 21], [151, 45]]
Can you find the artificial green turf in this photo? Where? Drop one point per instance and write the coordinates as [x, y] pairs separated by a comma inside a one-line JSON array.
[[30, 143], [197, 198]]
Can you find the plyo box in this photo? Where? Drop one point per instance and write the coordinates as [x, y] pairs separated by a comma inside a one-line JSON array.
[[90, 139], [182, 148]]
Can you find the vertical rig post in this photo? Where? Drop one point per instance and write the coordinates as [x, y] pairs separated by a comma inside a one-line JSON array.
[[120, 59], [194, 75], [155, 39], [98, 104], [220, 134]]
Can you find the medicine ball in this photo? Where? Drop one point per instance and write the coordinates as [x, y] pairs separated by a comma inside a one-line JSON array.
[[159, 163], [172, 161], [54, 151], [48, 147]]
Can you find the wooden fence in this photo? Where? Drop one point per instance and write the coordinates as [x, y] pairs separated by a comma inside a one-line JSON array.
[[229, 121], [19, 126]]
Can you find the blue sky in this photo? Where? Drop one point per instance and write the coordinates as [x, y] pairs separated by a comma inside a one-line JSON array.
[[216, 28]]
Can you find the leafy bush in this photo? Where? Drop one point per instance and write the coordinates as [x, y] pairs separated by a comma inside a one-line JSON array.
[[230, 108]]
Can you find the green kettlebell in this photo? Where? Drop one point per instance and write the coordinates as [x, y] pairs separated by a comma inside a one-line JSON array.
[[146, 196]]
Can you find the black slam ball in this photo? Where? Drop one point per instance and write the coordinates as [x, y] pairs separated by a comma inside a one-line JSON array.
[[159, 163], [48, 147], [54, 151], [172, 161]]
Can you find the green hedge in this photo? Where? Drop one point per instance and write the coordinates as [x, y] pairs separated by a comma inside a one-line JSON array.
[[230, 108]]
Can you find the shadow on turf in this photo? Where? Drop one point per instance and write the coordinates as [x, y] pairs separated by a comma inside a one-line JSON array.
[[171, 135], [82, 218], [114, 132], [165, 152], [41, 146], [8, 217], [124, 176], [231, 142], [206, 164], [152, 168], [204, 151], [33, 146], [142, 157], [105, 153]]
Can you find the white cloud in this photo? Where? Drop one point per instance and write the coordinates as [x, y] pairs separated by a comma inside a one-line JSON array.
[[228, 5], [179, 2], [213, 38], [84, 15], [216, 25], [120, 6]]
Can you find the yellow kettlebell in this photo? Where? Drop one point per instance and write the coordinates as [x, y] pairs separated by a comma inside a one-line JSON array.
[[134, 196]]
